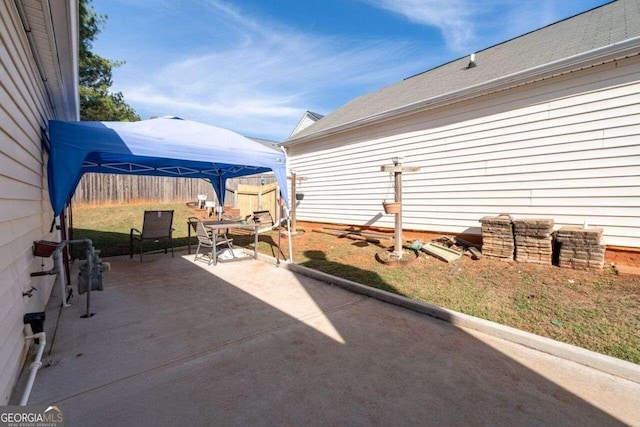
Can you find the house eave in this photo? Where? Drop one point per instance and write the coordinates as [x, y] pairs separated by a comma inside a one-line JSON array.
[[567, 65], [52, 32], [65, 16]]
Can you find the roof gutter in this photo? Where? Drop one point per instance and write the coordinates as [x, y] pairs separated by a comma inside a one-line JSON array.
[[562, 66], [69, 73], [63, 28], [34, 51], [61, 84]]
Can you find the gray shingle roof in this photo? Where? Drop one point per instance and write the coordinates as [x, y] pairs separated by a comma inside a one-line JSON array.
[[315, 115], [274, 145], [596, 28]]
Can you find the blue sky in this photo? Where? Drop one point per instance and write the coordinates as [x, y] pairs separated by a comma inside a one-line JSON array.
[[255, 66]]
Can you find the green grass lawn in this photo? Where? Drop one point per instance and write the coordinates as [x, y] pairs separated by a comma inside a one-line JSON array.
[[109, 226], [595, 310]]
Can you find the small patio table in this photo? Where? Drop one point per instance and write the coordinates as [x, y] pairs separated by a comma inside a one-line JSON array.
[[216, 226], [191, 225]]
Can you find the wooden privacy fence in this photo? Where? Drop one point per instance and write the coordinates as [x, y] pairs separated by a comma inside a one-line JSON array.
[[252, 198], [111, 188]]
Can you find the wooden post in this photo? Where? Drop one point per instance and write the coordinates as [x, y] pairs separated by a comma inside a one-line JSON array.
[[397, 250], [397, 170], [294, 180]]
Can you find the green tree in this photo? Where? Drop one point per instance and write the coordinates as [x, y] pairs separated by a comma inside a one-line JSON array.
[[97, 103]]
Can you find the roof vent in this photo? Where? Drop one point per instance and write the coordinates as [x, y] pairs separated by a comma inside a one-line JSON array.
[[472, 61]]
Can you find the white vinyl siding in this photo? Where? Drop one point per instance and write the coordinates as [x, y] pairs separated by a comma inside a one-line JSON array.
[[25, 214], [566, 148]]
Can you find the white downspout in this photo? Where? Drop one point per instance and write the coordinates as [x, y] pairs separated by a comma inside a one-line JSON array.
[[35, 366]]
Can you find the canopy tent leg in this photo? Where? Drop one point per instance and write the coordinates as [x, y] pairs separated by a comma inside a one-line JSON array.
[[289, 236], [62, 276], [279, 237]]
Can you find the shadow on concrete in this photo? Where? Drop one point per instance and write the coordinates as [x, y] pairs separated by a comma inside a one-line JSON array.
[[113, 244], [246, 343], [318, 261], [245, 239]]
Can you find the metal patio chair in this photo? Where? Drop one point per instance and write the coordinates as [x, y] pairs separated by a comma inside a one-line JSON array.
[[192, 224], [192, 230], [157, 226], [206, 240]]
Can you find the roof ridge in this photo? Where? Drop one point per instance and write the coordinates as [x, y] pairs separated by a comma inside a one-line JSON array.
[[513, 38]]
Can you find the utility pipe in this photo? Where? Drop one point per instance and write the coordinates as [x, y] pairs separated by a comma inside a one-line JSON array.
[[41, 336], [90, 253], [57, 266], [35, 366]]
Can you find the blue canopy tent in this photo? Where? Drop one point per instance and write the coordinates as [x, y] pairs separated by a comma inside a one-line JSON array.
[[167, 146]]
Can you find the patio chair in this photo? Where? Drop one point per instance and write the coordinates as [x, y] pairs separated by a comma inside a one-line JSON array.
[[205, 240], [157, 226], [192, 221], [263, 219], [192, 225]]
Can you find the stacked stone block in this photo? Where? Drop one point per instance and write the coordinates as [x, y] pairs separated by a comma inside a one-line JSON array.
[[581, 248], [497, 237], [534, 240]]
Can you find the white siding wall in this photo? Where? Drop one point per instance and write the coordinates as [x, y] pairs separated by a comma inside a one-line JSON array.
[[566, 148], [25, 214]]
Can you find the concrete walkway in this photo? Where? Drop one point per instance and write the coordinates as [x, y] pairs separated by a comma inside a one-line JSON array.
[[175, 342]]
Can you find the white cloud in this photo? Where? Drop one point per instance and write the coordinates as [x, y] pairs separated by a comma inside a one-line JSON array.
[[262, 78], [221, 65], [454, 18], [470, 25]]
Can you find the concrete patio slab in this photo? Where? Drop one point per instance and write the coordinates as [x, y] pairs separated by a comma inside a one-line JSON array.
[[248, 343]]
